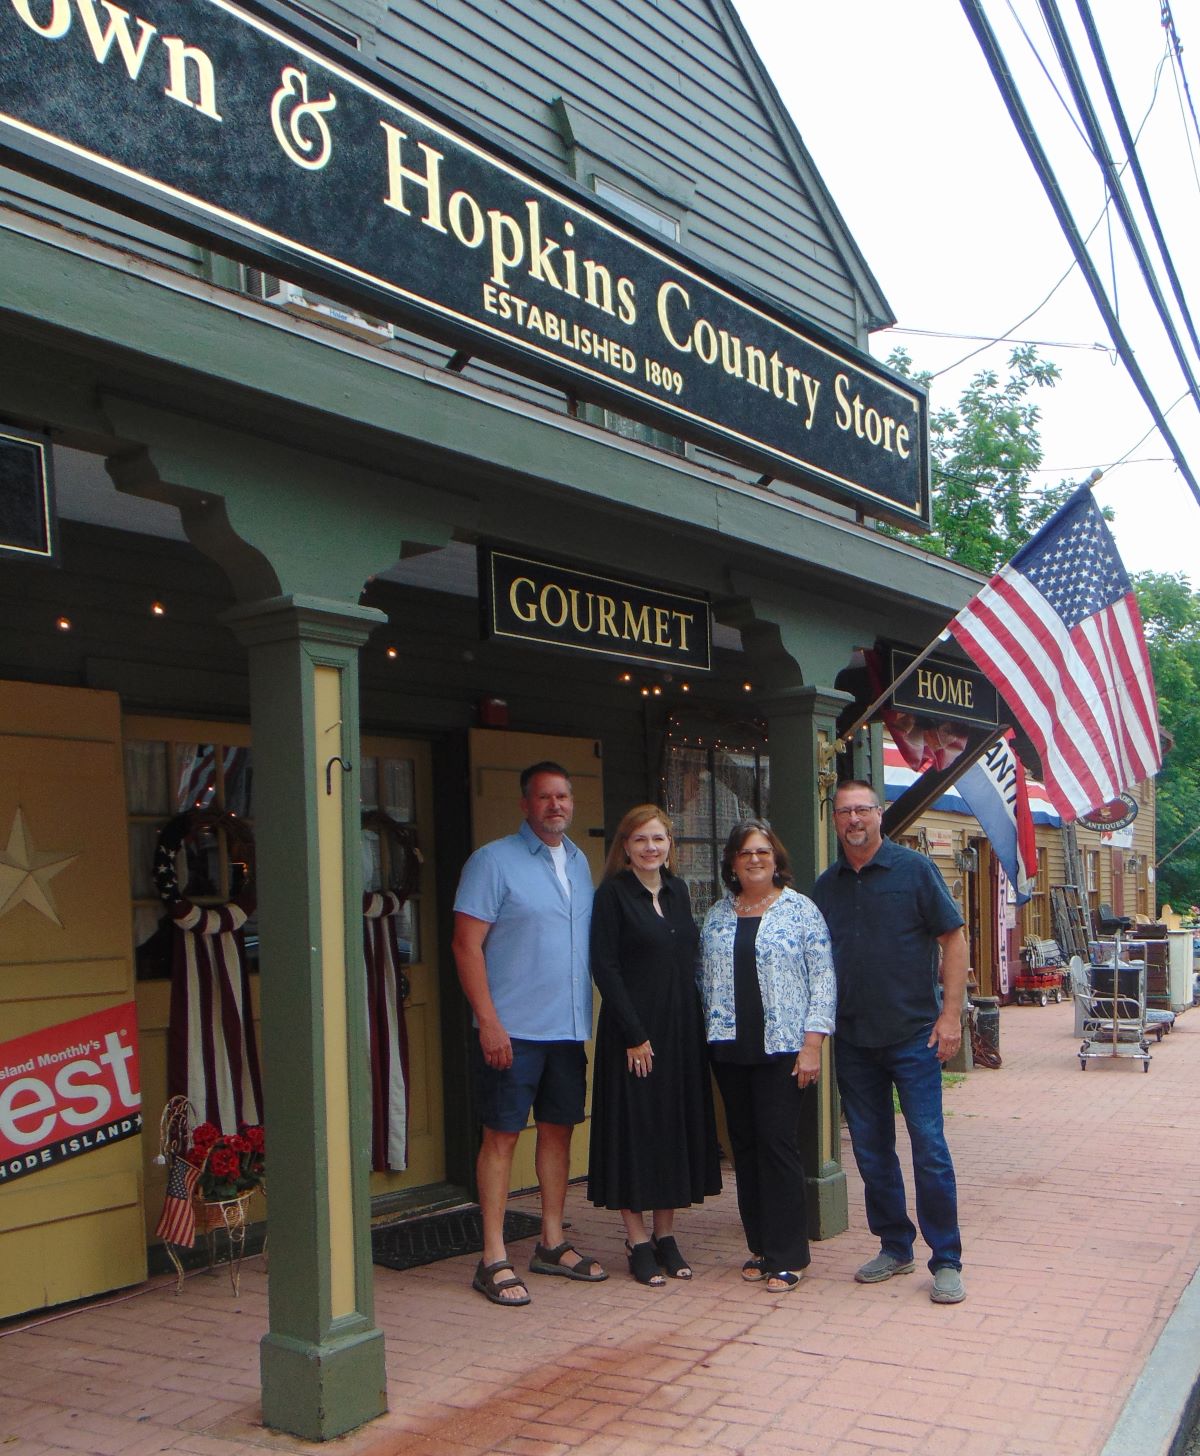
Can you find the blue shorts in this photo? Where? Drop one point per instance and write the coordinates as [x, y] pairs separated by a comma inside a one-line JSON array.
[[549, 1077]]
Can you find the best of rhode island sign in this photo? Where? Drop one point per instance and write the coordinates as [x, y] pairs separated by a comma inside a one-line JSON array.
[[234, 125]]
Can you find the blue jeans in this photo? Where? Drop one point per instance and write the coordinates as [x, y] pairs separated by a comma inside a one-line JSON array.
[[865, 1076]]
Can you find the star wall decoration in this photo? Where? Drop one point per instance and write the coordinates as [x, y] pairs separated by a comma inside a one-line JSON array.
[[26, 872]]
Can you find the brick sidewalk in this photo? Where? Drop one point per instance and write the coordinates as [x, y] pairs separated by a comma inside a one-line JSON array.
[[1080, 1199]]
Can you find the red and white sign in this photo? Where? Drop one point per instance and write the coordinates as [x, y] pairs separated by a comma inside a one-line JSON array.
[[68, 1090]]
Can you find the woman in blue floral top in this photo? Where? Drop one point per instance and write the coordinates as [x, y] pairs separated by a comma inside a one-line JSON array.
[[769, 994]]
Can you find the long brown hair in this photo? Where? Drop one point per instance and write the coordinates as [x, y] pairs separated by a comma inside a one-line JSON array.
[[641, 814]]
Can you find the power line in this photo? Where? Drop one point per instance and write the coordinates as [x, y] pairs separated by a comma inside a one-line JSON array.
[[1020, 118], [1133, 162], [1095, 347], [1099, 149], [1005, 337], [1168, 23]]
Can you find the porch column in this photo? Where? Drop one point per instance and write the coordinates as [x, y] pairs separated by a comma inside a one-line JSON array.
[[802, 732], [323, 1359]]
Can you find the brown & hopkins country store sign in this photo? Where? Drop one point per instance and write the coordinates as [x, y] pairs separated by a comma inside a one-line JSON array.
[[233, 125]]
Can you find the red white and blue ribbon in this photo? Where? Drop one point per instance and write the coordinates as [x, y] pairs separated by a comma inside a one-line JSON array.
[[388, 1031]]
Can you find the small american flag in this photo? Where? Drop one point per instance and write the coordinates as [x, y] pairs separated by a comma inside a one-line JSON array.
[[1059, 633], [177, 1225]]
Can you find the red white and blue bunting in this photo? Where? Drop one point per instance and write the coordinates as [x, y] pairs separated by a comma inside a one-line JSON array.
[[386, 989]]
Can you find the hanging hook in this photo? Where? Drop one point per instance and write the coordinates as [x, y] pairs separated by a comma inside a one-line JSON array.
[[346, 767]]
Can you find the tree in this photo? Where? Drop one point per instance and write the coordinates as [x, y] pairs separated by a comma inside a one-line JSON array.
[[1171, 619], [984, 453]]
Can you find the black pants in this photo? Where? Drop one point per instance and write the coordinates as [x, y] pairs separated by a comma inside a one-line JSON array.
[[762, 1110]]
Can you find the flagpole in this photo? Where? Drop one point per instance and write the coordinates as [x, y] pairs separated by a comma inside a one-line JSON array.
[[943, 636], [867, 714]]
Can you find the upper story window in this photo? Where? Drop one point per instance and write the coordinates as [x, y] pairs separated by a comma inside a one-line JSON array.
[[353, 22], [650, 217]]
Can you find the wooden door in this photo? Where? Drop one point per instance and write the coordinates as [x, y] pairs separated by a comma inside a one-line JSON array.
[[397, 778], [72, 1228], [496, 759]]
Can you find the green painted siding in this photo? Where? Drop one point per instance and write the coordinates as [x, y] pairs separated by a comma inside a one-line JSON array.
[[665, 80]]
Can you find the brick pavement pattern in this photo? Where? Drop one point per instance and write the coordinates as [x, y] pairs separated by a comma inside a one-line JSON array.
[[1080, 1199]]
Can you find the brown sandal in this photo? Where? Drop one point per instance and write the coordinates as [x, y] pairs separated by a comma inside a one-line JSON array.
[[492, 1288], [549, 1261]]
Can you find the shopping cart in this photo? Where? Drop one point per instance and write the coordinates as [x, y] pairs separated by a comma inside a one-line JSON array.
[[1114, 1002]]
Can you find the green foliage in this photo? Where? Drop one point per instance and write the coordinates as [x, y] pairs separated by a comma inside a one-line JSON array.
[[983, 455], [1171, 617]]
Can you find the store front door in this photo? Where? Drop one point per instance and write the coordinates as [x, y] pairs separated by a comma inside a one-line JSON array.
[[70, 1220], [496, 760], [397, 782]]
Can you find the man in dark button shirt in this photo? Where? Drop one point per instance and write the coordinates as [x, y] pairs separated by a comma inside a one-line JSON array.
[[889, 912]]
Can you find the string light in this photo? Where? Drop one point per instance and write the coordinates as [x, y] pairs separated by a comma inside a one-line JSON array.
[[393, 653], [157, 609], [63, 624]]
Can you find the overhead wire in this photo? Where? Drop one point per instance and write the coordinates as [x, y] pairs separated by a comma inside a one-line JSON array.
[[1098, 146], [1176, 46], [1006, 335], [1133, 163], [1015, 106]]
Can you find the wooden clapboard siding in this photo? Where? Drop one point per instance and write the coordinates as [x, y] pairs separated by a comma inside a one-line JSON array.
[[667, 81]]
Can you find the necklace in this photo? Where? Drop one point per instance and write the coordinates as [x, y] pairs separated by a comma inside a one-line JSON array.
[[744, 907]]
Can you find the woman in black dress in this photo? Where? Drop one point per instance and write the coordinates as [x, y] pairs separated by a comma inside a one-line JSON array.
[[654, 1144]]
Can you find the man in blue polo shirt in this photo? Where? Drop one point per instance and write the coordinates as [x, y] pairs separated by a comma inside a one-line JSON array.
[[889, 913], [521, 921]]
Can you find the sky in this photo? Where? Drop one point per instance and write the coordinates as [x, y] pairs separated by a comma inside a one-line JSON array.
[[901, 115]]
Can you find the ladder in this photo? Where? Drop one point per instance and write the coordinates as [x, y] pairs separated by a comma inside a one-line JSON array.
[[1072, 921]]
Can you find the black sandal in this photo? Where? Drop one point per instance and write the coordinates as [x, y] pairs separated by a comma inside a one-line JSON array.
[[666, 1252], [784, 1277], [643, 1265], [754, 1270], [492, 1287]]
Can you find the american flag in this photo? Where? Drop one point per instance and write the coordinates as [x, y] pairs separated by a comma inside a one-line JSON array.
[[1059, 633], [177, 1224]]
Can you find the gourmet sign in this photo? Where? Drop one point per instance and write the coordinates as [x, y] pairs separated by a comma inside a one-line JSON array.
[[68, 1090], [542, 601], [212, 119]]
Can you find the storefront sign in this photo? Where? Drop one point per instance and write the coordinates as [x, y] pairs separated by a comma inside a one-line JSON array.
[[1118, 813], [944, 691], [209, 118], [68, 1090], [539, 601], [26, 497]]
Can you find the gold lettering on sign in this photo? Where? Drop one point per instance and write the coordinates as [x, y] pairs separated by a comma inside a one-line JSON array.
[[183, 61], [540, 601], [430, 179], [180, 56], [942, 687], [866, 421], [55, 27], [526, 612], [117, 30], [306, 151]]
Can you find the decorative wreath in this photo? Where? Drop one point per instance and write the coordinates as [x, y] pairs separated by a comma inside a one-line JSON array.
[[404, 853], [184, 826]]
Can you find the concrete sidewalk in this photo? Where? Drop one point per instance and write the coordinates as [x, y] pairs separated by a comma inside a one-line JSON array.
[[1080, 1196]]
